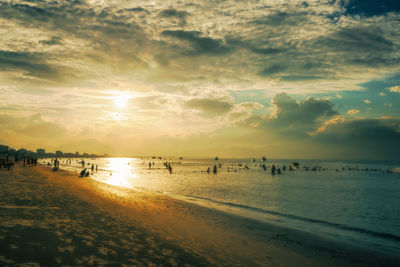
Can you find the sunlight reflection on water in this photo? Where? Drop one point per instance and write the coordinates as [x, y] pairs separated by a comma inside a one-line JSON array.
[[354, 205], [121, 172]]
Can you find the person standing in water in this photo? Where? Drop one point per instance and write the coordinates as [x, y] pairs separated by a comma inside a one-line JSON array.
[[273, 169]]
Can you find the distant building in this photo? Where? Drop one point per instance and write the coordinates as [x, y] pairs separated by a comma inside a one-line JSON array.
[[41, 151], [59, 153]]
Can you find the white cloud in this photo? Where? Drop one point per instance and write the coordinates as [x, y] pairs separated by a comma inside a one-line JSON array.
[[353, 111], [395, 89], [62, 58], [258, 39]]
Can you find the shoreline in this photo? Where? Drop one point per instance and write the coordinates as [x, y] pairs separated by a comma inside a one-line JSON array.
[[198, 234]]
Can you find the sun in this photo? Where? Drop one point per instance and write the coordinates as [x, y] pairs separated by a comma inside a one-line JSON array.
[[120, 101]]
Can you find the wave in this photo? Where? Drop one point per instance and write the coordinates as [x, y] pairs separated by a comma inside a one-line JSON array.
[[359, 230]]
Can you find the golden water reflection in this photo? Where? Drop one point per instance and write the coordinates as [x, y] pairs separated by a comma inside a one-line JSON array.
[[121, 172]]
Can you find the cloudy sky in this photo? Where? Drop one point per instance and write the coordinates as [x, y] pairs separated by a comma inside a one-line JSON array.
[[285, 79]]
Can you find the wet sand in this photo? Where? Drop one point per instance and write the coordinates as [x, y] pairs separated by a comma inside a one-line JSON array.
[[56, 218]]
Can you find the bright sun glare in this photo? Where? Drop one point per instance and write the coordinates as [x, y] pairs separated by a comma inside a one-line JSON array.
[[121, 172], [120, 101]]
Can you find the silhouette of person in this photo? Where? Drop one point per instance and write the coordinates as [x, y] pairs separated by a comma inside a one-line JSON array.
[[215, 169]]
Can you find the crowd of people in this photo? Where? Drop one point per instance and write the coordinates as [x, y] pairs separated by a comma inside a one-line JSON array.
[[85, 172], [275, 169], [7, 163], [30, 162], [167, 165]]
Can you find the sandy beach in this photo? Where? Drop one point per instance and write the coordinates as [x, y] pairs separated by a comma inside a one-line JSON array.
[[56, 218]]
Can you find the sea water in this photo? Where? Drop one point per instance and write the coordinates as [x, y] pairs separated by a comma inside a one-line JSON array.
[[352, 201]]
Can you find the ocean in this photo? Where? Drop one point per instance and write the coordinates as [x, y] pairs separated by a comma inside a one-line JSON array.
[[357, 202]]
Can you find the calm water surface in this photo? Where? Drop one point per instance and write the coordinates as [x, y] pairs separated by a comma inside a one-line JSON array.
[[356, 206]]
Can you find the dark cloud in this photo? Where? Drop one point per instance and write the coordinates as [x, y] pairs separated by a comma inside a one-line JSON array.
[[268, 51], [366, 46], [371, 7], [305, 4], [31, 64], [137, 9], [360, 39], [75, 18], [365, 138], [199, 44], [306, 112], [273, 69], [297, 70], [115, 37], [117, 30], [314, 121], [292, 118], [55, 40], [171, 12], [32, 12], [281, 18], [286, 45], [111, 38], [295, 78], [362, 45], [278, 39], [326, 56], [210, 107]]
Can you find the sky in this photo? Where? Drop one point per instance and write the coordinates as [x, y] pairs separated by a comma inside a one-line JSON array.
[[284, 79]]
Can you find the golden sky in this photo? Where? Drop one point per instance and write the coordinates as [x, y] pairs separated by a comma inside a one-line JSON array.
[[294, 79]]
